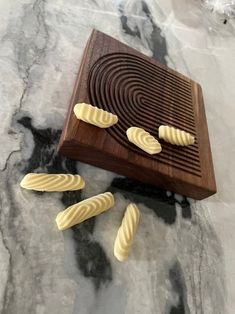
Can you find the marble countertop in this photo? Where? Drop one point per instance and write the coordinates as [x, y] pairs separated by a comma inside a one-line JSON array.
[[183, 257]]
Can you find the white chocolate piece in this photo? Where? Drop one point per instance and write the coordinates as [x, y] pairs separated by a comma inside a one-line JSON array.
[[94, 115], [52, 182], [143, 140], [175, 136], [126, 232], [86, 209]]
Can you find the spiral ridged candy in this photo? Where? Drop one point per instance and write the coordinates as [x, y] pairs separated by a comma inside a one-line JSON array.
[[175, 136], [52, 182], [81, 211], [94, 115], [126, 232], [143, 140]]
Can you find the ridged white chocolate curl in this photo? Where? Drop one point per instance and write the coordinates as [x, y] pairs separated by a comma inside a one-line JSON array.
[[175, 136], [143, 140], [126, 232], [94, 115], [86, 209], [52, 182]]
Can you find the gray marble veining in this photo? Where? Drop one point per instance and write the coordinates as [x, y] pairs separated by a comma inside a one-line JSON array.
[[183, 258]]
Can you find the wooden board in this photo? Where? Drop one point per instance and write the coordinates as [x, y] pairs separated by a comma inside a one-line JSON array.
[[146, 94]]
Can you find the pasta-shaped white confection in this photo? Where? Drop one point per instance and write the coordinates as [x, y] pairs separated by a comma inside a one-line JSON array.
[[52, 182], [175, 136], [94, 115], [143, 140], [126, 232], [81, 211]]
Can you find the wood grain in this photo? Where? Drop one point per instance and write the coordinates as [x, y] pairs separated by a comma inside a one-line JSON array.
[[145, 94]]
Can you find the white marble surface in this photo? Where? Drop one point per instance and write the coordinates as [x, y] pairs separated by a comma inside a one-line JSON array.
[[183, 258]]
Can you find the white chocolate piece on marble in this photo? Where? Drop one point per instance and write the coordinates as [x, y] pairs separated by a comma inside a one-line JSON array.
[[94, 115], [126, 232], [84, 210], [52, 182], [175, 136], [143, 140]]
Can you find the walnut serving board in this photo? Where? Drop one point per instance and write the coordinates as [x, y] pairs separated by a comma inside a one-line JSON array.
[[145, 94]]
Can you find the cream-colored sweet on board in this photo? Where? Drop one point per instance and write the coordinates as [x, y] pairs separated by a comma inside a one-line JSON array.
[[94, 115], [126, 232], [143, 140], [175, 136], [83, 210], [52, 182]]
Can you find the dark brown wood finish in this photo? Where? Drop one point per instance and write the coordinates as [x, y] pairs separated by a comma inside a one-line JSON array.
[[146, 94]]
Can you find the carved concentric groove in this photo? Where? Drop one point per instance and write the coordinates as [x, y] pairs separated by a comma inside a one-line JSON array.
[[145, 95]]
